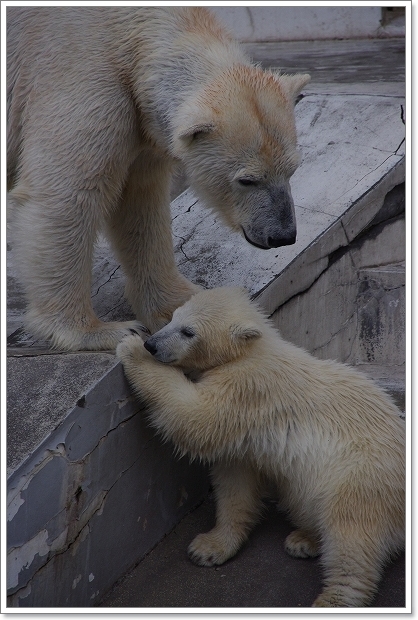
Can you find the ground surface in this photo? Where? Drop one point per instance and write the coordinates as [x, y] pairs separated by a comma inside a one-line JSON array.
[[261, 575]]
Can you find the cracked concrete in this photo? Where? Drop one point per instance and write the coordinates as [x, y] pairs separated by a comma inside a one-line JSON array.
[[65, 500], [357, 305], [46, 402]]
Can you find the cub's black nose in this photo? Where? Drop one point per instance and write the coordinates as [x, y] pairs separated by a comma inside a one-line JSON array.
[[150, 346]]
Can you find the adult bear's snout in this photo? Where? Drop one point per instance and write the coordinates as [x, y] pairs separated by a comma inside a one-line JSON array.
[[287, 238], [273, 223]]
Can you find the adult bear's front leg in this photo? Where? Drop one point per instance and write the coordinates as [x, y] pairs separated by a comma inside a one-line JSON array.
[[140, 230], [76, 145], [53, 246]]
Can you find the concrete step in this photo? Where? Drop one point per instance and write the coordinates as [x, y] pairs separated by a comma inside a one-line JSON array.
[[82, 458]]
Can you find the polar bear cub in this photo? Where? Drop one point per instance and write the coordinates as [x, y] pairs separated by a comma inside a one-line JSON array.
[[226, 388]]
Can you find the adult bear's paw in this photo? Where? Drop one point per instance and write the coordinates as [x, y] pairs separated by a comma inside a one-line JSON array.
[[100, 336]]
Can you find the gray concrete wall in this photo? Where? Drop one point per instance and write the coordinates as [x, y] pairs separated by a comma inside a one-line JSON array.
[[97, 495], [356, 308], [296, 23]]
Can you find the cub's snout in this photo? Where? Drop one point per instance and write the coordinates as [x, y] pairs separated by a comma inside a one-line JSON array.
[[151, 346], [164, 346]]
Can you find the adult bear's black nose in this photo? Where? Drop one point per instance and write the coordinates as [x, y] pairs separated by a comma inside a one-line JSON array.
[[282, 239], [150, 346]]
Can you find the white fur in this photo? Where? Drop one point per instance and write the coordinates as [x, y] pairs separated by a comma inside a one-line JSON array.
[[101, 103], [261, 409]]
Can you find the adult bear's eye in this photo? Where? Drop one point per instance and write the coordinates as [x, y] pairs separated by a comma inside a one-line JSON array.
[[189, 333], [246, 182]]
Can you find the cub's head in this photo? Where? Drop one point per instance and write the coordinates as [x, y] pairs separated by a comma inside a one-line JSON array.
[[237, 140], [212, 328]]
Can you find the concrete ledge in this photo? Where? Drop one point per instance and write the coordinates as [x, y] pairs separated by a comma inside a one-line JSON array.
[[96, 495], [53, 385]]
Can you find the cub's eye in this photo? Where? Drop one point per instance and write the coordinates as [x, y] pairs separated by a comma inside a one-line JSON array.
[[247, 182], [189, 333]]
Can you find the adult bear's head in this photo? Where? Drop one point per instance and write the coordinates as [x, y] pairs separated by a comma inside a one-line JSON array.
[[237, 140]]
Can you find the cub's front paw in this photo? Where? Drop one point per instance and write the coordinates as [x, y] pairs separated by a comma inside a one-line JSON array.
[[131, 348], [209, 550]]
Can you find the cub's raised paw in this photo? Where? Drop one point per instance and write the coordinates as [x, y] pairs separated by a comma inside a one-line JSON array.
[[207, 550], [131, 348], [299, 545]]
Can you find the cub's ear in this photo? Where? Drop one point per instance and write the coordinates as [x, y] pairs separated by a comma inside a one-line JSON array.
[[246, 331], [293, 84]]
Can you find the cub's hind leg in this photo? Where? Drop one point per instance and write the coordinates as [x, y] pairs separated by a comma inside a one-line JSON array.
[[238, 506], [363, 528], [300, 545], [353, 564]]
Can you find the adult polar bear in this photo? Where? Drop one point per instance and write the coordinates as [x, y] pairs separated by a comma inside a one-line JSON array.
[[101, 102]]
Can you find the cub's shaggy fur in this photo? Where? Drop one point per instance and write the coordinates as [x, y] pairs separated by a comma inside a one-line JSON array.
[[224, 387], [101, 103]]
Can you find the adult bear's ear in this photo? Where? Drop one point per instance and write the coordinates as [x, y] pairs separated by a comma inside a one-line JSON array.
[[246, 331], [193, 131], [193, 120], [187, 134], [293, 84]]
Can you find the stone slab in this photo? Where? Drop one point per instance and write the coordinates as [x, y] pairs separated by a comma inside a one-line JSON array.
[[41, 391]]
